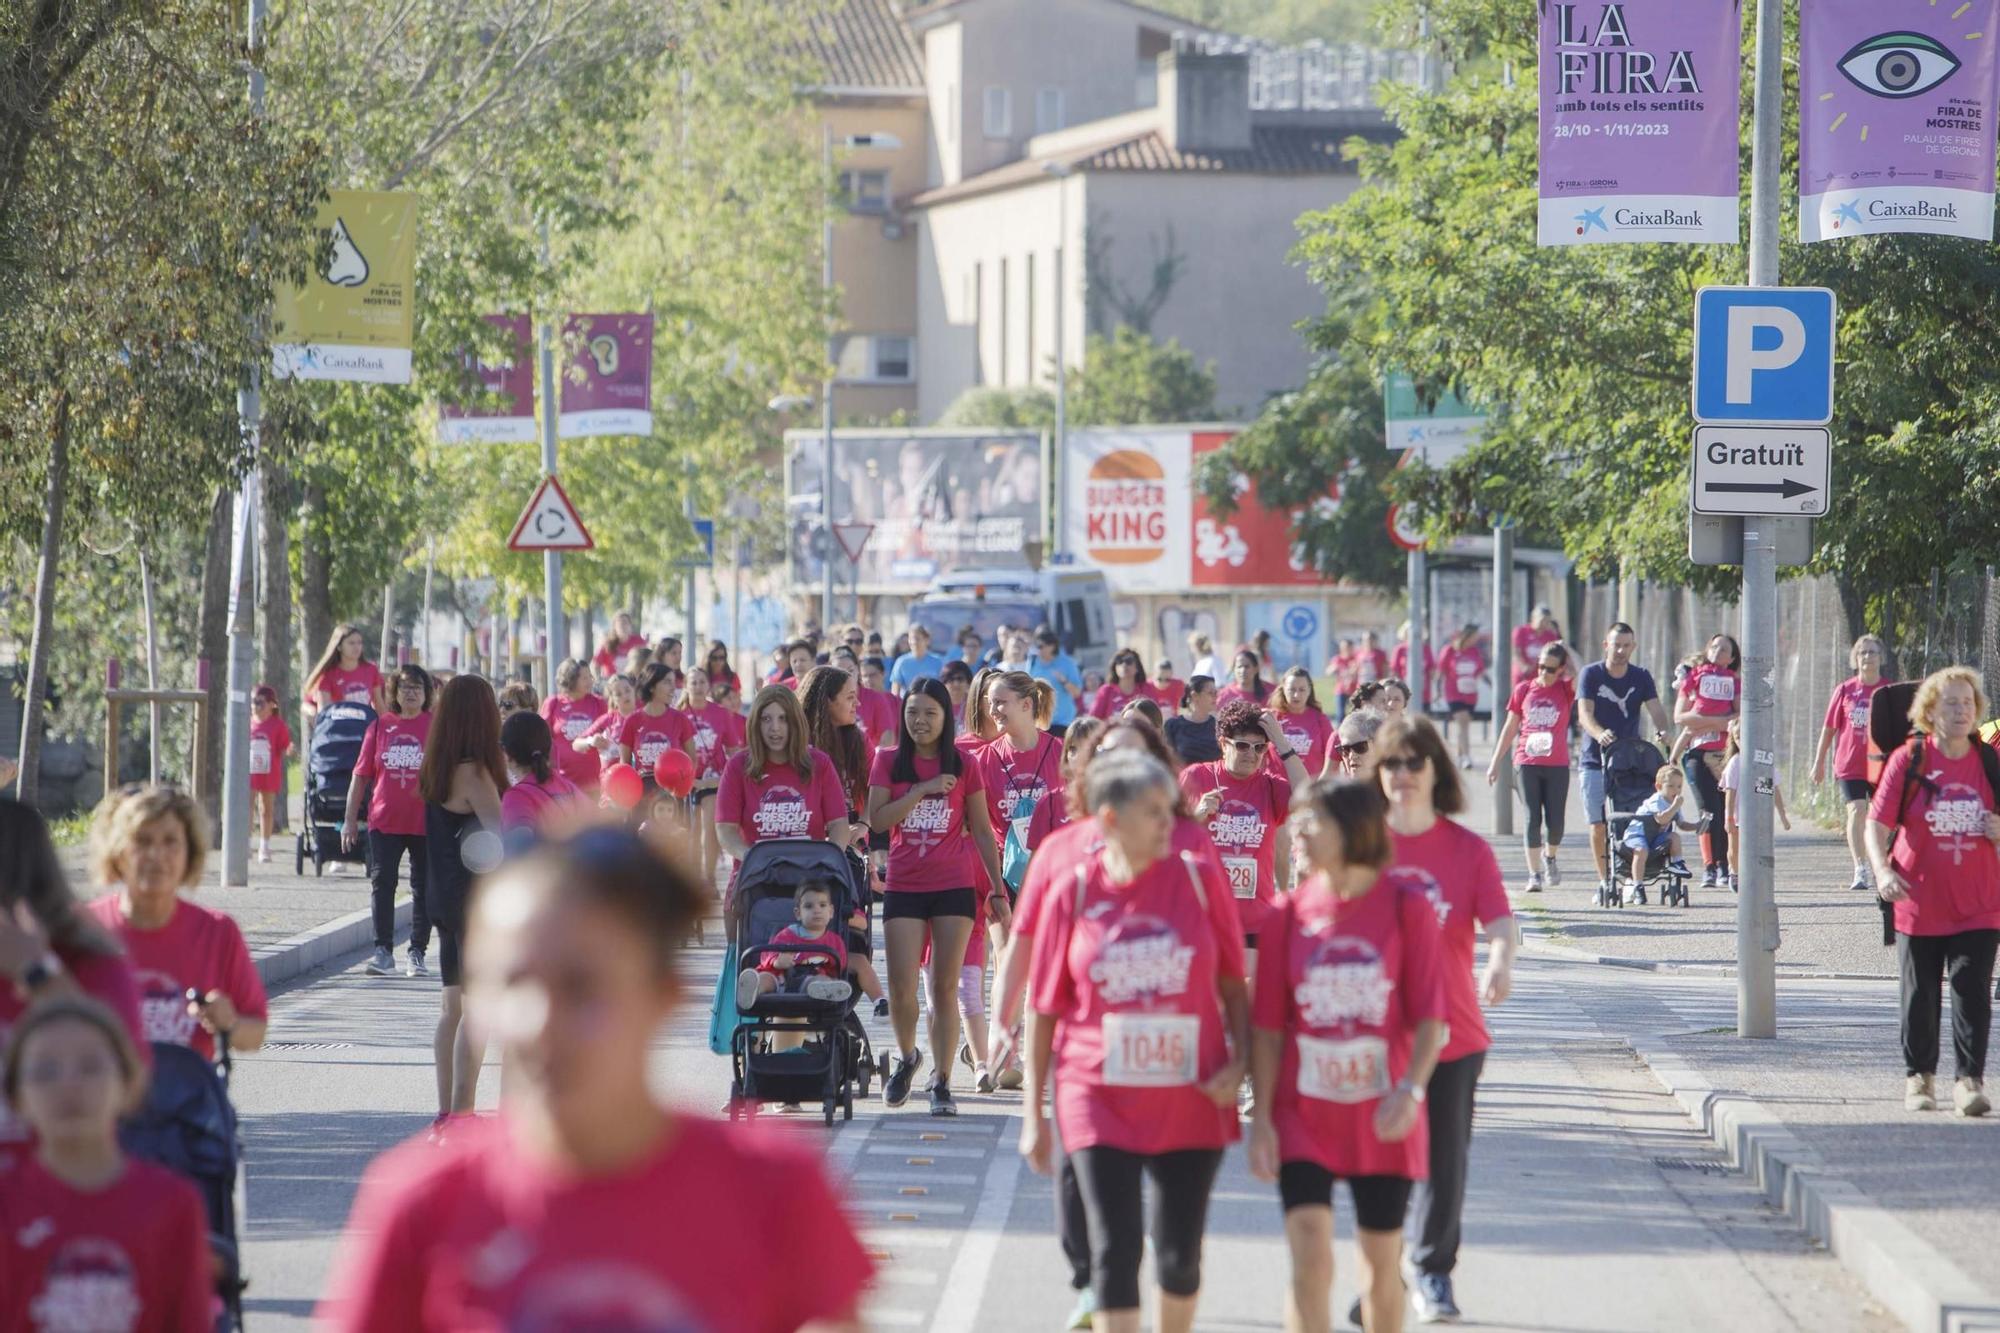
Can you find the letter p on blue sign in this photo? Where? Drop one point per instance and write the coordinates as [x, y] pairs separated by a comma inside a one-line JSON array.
[[1763, 354]]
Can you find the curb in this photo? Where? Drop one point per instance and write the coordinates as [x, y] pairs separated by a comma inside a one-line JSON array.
[[1916, 1284], [301, 953], [1536, 945]]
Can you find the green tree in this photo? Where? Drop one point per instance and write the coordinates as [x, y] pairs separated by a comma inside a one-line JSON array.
[[995, 408], [1130, 379]]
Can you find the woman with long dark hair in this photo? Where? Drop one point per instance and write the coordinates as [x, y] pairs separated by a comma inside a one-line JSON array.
[[1537, 728], [1246, 680], [540, 790], [831, 701], [392, 753], [343, 674], [1710, 699]]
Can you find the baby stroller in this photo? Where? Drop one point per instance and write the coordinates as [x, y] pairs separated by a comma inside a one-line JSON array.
[[331, 755], [188, 1125], [1631, 768], [837, 1054]]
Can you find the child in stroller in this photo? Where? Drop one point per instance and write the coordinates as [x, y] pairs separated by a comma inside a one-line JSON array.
[[1652, 836], [807, 958]]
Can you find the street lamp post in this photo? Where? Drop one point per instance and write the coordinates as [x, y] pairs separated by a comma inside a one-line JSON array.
[[1061, 171]]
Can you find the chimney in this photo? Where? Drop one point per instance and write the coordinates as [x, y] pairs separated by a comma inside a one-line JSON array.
[[1205, 100]]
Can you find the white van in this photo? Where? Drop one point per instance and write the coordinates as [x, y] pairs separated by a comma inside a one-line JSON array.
[[1076, 603]]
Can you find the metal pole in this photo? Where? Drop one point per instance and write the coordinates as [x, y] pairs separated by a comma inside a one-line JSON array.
[[242, 597], [687, 508], [1503, 671], [430, 570], [386, 651], [552, 571], [1061, 469], [826, 390], [1756, 904], [152, 670], [1418, 638]]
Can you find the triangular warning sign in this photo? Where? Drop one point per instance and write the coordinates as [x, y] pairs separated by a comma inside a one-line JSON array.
[[853, 538], [550, 523]]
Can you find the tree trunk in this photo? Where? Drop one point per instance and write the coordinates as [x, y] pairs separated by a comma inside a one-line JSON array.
[[275, 584], [36, 687], [212, 634], [1853, 607], [315, 572]]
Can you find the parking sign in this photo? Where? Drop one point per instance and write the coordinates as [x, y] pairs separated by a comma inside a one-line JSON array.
[[1763, 354]]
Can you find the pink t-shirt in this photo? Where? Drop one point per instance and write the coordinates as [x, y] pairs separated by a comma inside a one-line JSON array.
[[106, 978], [1399, 665], [392, 753], [1012, 778], [646, 736], [1310, 736], [1943, 852], [780, 804], [930, 849], [569, 720], [199, 949], [1460, 670], [132, 1256], [478, 1234], [791, 940], [1711, 691], [1544, 712], [1528, 645], [1131, 981], [718, 733], [610, 659], [1847, 718], [1111, 700], [270, 741], [1056, 860], [1369, 664], [880, 714], [1346, 981], [1457, 873], [1245, 828], [339, 685], [1231, 692], [1166, 692], [611, 724], [528, 802]]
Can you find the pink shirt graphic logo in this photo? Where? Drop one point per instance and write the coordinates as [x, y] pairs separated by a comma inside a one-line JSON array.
[[1344, 984], [783, 814], [1140, 960], [1956, 819], [928, 822], [1541, 716], [90, 1285], [1237, 824], [163, 1008], [574, 725], [1416, 877], [704, 745], [649, 753], [603, 1294], [403, 757]]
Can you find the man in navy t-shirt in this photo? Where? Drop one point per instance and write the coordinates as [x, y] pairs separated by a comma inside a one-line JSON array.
[[1608, 699]]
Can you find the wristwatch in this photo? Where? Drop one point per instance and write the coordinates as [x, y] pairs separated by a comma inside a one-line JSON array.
[[41, 972], [1284, 755], [1415, 1090]]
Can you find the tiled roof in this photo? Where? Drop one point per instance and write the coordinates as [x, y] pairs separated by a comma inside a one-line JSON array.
[[862, 44]]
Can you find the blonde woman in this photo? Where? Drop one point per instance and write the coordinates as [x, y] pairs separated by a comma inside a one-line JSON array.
[[1845, 736]]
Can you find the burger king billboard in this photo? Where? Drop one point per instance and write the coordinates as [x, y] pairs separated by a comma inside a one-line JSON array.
[[1129, 512]]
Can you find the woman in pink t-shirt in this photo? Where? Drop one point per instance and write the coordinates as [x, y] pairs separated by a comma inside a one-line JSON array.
[[600, 738], [392, 753], [1349, 1019], [656, 725], [1127, 682], [270, 742], [1245, 680], [928, 796], [1710, 699], [533, 1218], [1846, 737], [778, 785], [1141, 1014], [1537, 731], [343, 675], [718, 734], [1308, 731], [569, 710], [1461, 666], [539, 794]]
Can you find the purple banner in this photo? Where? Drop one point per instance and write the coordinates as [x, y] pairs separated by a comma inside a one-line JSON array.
[[607, 387], [1896, 117], [507, 415], [1638, 121]]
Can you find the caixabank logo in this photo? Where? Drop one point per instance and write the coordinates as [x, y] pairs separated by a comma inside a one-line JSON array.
[[1622, 219]]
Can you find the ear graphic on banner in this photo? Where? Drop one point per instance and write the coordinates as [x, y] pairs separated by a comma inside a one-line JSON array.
[[607, 388]]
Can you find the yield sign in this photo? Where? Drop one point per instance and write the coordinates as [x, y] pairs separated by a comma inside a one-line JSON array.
[[550, 522], [853, 538]]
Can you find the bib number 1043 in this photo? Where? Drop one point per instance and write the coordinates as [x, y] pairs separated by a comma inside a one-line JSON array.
[[1351, 1071], [1151, 1050]]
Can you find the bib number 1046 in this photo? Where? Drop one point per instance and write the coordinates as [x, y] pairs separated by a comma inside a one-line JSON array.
[[1151, 1050]]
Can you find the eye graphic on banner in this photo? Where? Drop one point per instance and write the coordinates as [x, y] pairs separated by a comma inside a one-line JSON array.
[[1898, 64]]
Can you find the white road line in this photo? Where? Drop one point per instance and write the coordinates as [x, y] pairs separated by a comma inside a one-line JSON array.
[[907, 1149], [958, 1303], [892, 1239], [915, 1175], [892, 1318]]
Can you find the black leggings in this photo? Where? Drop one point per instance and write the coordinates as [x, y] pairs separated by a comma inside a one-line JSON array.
[[385, 852], [1545, 791], [1966, 959], [1109, 1179], [1709, 792]]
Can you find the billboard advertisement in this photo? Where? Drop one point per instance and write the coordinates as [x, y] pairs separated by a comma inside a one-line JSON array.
[[607, 383], [939, 500], [1638, 121], [1896, 122], [507, 416], [352, 319], [1254, 546]]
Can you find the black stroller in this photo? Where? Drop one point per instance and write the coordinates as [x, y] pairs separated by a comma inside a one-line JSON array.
[[1631, 769], [331, 755], [836, 1055], [188, 1125]]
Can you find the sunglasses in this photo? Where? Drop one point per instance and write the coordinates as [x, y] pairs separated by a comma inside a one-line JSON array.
[[1358, 748], [1254, 747], [1549, 666], [1402, 763]]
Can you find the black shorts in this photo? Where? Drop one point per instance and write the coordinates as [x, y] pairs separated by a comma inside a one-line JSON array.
[[1856, 789], [447, 945], [1456, 706], [1379, 1201], [929, 905], [1249, 939]]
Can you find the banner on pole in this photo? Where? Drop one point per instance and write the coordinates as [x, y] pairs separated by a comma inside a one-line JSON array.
[[1896, 118], [1639, 105], [1439, 433], [352, 319], [607, 386], [507, 414]]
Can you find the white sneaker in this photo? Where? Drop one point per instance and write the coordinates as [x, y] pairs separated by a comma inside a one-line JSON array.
[[1534, 884], [748, 987], [1555, 875], [415, 966], [1919, 1094], [827, 988], [1968, 1097]]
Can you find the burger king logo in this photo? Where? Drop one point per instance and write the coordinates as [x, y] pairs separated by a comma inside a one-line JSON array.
[[1125, 508]]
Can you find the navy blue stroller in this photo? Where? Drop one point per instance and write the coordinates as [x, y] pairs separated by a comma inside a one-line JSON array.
[[188, 1125], [331, 754], [1631, 769]]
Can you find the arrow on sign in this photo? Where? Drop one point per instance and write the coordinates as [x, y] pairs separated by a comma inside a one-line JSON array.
[[1786, 488]]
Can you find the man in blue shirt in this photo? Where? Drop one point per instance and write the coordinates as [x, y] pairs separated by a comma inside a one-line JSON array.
[[1609, 696], [1052, 664], [920, 661]]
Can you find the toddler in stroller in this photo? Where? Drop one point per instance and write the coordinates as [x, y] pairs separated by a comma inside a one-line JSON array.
[[1652, 836], [805, 958]]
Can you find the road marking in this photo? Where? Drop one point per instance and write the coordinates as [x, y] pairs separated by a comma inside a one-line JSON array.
[[958, 1303], [893, 1150], [899, 1177]]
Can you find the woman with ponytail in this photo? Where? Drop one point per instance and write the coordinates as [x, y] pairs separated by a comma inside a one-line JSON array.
[[539, 788]]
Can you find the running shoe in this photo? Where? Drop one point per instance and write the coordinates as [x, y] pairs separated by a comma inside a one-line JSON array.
[[1919, 1094], [264, 855], [1679, 867], [1639, 894], [882, 1007], [1084, 1311], [1431, 1293], [381, 964], [1603, 898], [982, 1079], [1710, 875], [1555, 875], [416, 966], [1735, 884], [828, 988], [749, 985], [896, 1089], [1010, 1077], [1534, 884], [1860, 880], [1968, 1097], [435, 1134], [941, 1102], [965, 1054]]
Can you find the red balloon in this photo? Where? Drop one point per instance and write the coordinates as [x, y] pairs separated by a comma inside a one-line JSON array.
[[674, 771], [622, 786]]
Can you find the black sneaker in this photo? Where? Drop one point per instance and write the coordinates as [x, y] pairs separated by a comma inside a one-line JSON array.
[[941, 1102], [896, 1090], [882, 1007]]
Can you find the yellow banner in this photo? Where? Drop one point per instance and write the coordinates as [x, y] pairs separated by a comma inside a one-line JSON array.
[[352, 319]]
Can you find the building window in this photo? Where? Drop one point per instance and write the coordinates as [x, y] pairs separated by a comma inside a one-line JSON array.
[[875, 359], [895, 360], [865, 191], [999, 113], [1048, 110]]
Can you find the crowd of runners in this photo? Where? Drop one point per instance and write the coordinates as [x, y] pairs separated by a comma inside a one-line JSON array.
[[1160, 914]]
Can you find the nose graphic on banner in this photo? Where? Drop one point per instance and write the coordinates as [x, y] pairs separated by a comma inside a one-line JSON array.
[[346, 266], [1746, 357]]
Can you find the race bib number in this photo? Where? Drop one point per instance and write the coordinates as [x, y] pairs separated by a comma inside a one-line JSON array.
[[260, 755], [1718, 687], [1467, 678], [1151, 1050], [1857, 717], [1242, 872], [1538, 744], [1351, 1071]]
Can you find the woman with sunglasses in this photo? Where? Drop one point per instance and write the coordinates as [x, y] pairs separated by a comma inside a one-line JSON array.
[[392, 754], [1127, 682], [1710, 699], [1537, 728], [1244, 805], [1846, 737], [716, 663]]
